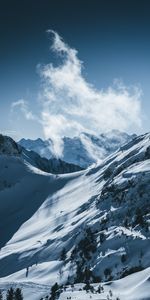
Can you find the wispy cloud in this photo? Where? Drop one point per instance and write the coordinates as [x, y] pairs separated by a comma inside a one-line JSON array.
[[23, 106], [71, 105], [13, 133]]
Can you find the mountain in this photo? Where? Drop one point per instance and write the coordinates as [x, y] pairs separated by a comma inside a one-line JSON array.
[[53, 165], [9, 147], [91, 225], [82, 150]]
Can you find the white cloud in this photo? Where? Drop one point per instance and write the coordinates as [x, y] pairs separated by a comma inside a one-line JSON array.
[[72, 105], [23, 106]]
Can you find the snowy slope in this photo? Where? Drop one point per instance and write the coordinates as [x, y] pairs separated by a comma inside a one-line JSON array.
[[132, 287], [100, 216], [82, 150]]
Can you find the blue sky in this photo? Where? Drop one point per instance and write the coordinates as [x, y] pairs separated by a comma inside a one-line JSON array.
[[111, 37]]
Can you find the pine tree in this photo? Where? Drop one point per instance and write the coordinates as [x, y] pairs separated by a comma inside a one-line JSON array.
[[63, 254], [88, 287], [55, 291], [123, 258], [99, 290], [1, 295], [18, 294], [10, 294]]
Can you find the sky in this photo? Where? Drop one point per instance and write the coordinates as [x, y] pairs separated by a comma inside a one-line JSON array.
[[73, 66]]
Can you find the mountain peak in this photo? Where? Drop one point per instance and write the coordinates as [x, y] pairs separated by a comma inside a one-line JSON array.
[[8, 146]]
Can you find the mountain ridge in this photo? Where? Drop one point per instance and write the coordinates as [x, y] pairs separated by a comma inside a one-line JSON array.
[[92, 225], [82, 150]]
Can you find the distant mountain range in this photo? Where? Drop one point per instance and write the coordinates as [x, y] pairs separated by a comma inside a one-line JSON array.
[[9, 147], [82, 150], [89, 226]]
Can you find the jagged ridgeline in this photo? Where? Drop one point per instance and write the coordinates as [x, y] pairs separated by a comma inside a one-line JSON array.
[[82, 150], [90, 226]]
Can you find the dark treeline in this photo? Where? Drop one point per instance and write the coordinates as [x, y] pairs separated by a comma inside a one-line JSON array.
[[12, 294]]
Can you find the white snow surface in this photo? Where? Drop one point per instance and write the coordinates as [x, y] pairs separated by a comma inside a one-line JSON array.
[[41, 213], [133, 287]]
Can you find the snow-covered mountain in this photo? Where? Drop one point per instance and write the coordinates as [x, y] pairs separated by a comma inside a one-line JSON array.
[[9, 147], [82, 150], [91, 225], [52, 165]]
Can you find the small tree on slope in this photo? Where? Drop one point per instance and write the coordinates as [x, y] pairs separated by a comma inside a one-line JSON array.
[[10, 294], [63, 254], [1, 296], [18, 294], [55, 292]]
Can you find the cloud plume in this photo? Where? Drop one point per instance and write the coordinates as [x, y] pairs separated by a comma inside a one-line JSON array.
[[70, 105]]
